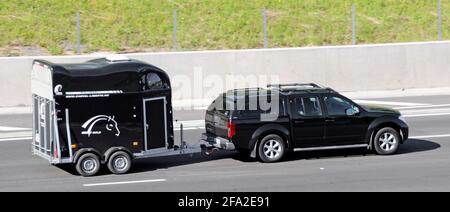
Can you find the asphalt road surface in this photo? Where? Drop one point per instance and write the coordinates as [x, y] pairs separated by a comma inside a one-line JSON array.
[[422, 163]]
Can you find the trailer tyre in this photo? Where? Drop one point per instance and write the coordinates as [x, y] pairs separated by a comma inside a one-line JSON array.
[[88, 165], [119, 162]]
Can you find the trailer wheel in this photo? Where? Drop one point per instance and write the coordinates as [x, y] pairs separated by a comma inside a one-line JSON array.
[[119, 162], [88, 165]]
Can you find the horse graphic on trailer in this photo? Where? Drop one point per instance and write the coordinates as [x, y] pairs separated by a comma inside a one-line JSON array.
[[111, 125]]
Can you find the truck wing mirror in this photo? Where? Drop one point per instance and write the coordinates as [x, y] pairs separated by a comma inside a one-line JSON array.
[[352, 111]]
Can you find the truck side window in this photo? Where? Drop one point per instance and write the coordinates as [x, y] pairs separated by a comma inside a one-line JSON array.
[[153, 81], [337, 106], [308, 107]]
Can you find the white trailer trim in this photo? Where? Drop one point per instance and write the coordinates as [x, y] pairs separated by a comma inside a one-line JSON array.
[[69, 136], [41, 80]]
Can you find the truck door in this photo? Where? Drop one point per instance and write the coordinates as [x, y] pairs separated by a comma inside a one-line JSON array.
[[307, 121], [155, 123], [342, 128]]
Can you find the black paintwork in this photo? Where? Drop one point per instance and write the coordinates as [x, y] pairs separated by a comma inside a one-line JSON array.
[[125, 105], [302, 132]]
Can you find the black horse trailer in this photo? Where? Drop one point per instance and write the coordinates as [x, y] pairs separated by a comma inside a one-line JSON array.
[[104, 111]]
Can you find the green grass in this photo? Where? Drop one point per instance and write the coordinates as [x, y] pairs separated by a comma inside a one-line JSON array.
[[127, 25]]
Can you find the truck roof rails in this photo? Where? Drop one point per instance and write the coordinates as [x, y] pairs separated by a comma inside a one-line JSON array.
[[307, 87], [294, 85], [242, 92]]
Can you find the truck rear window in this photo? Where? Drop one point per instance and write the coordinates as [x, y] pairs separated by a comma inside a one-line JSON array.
[[248, 107], [265, 109], [220, 104]]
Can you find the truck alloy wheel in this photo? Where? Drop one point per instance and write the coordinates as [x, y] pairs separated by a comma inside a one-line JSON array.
[[386, 141], [271, 148]]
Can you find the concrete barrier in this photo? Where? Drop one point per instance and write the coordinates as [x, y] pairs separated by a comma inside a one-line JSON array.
[[344, 68]]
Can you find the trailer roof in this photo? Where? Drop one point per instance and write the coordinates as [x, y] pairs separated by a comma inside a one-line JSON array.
[[98, 67], [103, 74]]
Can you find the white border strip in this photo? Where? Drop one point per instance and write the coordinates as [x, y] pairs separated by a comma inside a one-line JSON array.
[[124, 182]]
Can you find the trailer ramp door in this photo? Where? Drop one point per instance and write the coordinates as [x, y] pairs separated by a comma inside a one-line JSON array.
[[42, 127], [45, 142]]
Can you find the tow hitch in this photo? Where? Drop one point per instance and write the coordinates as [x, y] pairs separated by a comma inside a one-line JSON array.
[[205, 148], [209, 150]]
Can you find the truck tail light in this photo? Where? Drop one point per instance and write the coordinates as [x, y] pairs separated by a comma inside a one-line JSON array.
[[231, 129]]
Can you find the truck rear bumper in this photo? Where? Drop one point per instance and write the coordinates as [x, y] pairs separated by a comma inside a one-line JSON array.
[[218, 142]]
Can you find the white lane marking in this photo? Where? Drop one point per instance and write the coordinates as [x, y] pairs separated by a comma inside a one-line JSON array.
[[430, 136], [190, 125], [389, 103], [189, 128], [13, 129], [426, 112], [124, 182], [16, 139], [190, 122], [420, 107], [200, 108], [15, 110], [425, 115]]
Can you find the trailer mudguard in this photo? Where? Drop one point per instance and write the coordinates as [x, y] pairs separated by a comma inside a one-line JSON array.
[[80, 152], [112, 150]]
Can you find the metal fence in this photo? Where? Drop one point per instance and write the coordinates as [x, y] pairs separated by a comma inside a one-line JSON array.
[[265, 29]]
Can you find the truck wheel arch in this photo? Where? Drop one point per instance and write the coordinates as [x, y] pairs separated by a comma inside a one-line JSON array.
[[378, 124], [266, 130]]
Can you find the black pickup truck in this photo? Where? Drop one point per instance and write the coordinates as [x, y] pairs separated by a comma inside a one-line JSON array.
[[302, 117]]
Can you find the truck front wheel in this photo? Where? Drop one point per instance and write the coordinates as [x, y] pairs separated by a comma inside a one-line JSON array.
[[88, 165], [387, 141], [119, 162]]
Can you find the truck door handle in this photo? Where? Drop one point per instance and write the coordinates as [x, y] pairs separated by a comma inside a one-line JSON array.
[[299, 121], [329, 120]]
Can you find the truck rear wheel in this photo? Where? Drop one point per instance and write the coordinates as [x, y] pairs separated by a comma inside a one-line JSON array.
[[119, 162], [88, 165], [271, 148]]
